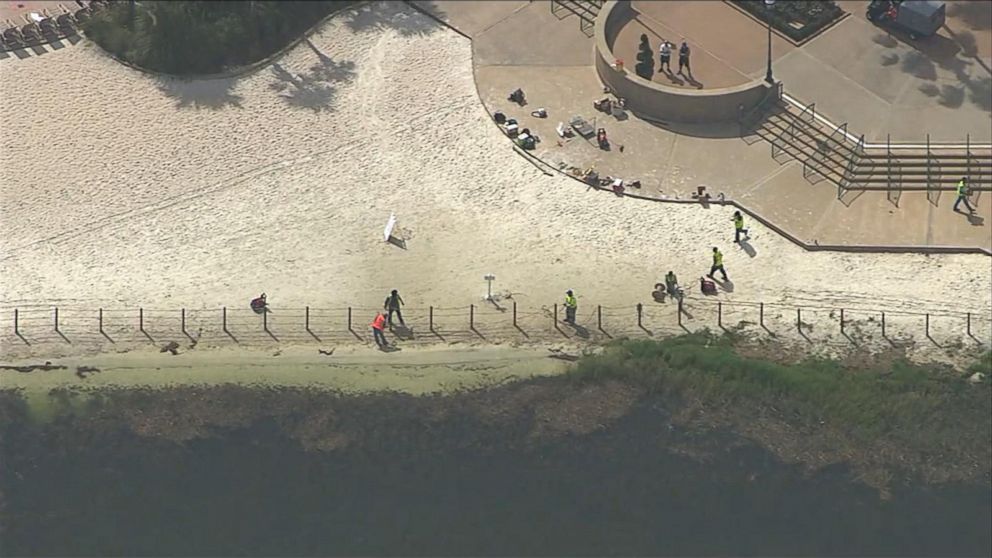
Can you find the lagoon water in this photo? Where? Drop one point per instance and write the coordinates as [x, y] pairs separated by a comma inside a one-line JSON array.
[[447, 490]]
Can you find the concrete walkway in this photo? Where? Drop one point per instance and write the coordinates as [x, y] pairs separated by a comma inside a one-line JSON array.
[[671, 161]]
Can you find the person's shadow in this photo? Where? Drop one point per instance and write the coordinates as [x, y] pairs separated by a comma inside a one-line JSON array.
[[746, 246], [401, 332]]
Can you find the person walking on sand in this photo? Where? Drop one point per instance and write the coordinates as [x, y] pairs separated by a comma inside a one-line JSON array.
[[739, 227], [665, 52], [684, 57], [378, 324], [392, 304], [570, 306], [717, 265], [963, 195]]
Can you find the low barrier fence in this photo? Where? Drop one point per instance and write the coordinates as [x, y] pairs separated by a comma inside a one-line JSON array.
[[503, 321]]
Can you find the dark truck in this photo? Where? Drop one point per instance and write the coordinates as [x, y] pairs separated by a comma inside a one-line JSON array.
[[919, 18]]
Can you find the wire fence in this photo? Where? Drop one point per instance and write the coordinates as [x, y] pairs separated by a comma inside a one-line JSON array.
[[499, 321]]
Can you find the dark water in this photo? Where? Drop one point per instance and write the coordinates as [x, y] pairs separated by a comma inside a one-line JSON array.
[[414, 492]]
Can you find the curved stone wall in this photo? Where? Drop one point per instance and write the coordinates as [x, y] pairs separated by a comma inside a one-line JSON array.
[[660, 102]]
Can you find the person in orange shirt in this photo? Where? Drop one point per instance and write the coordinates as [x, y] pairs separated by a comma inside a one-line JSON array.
[[378, 324]]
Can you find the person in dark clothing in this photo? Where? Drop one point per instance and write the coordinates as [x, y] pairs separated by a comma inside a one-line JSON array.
[[684, 57], [392, 304]]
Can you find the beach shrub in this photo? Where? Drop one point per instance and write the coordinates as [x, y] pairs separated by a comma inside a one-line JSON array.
[[203, 37], [911, 402], [797, 19]]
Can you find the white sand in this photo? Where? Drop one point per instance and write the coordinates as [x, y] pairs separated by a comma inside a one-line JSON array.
[[118, 189]]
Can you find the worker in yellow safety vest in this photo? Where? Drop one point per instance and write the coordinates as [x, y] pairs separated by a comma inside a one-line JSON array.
[[739, 227], [717, 264], [963, 195], [570, 306]]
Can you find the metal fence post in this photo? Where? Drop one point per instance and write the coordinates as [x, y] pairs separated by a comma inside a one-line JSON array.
[[430, 317], [514, 313], [883, 324], [16, 331], [349, 318], [761, 314], [182, 319], [928, 324], [265, 320], [471, 316], [599, 317], [680, 311], [556, 315], [101, 320], [719, 314], [56, 318], [223, 317], [968, 326], [640, 312], [141, 320], [306, 319], [799, 319], [842, 321]]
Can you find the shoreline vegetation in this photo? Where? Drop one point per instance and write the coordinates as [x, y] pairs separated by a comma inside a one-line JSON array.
[[193, 38], [887, 419]]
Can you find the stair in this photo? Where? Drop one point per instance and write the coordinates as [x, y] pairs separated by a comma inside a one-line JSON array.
[[830, 154]]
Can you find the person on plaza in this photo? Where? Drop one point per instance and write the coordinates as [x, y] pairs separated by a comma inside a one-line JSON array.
[[739, 227], [392, 304], [378, 324], [684, 57], [963, 195], [717, 265], [665, 51], [672, 284], [571, 304]]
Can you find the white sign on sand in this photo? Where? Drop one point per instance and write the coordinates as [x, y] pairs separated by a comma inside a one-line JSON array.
[[390, 225]]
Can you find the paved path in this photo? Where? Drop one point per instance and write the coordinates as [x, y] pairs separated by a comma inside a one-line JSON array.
[[671, 161]]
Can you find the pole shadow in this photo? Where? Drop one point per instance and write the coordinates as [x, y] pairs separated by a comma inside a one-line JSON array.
[[272, 335], [355, 333], [477, 332], [438, 335], [148, 335], [231, 335], [521, 330], [314, 335], [104, 333], [64, 338], [22, 338]]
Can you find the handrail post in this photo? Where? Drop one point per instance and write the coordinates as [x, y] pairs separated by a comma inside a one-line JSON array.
[[56, 318]]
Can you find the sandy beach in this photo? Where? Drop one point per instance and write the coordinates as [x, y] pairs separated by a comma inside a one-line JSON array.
[[122, 189]]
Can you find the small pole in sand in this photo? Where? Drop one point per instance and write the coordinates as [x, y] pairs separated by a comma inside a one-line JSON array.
[[799, 320], [223, 317], [349, 318], [556, 315], [928, 324], [761, 314], [16, 332], [680, 311], [514, 313], [719, 314], [471, 316], [883, 324], [182, 320], [101, 320], [141, 320], [430, 317], [489, 286], [306, 319], [56, 318], [640, 312], [599, 317], [968, 326], [265, 320], [842, 321]]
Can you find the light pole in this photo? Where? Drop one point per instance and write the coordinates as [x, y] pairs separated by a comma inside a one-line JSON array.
[[768, 14]]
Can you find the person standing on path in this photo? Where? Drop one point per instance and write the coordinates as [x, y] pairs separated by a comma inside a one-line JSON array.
[[739, 227], [684, 57], [378, 324], [963, 195], [717, 265], [392, 304], [571, 304], [665, 52]]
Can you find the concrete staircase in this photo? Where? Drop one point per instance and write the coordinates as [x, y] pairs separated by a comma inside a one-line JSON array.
[[586, 10], [833, 154]]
